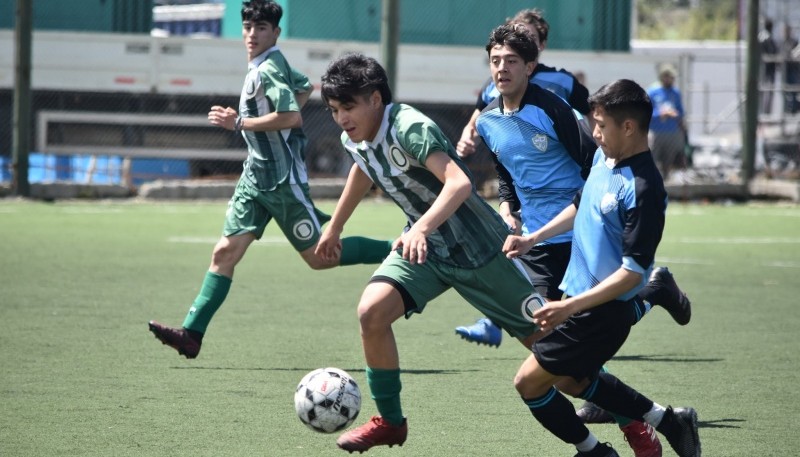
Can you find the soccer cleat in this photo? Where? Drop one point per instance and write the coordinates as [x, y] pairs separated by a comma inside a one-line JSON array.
[[600, 450], [376, 432], [482, 332], [669, 296], [679, 426], [643, 439], [590, 413], [176, 338]]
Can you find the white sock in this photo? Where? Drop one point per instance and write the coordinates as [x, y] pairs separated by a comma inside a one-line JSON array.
[[654, 416], [588, 444]]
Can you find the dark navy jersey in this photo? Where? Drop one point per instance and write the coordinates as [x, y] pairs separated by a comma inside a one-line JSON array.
[[542, 153], [619, 223], [560, 82]]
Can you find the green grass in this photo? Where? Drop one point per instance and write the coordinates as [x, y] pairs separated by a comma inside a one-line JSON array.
[[81, 375]]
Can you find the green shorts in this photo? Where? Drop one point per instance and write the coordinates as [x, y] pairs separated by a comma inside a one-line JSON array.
[[250, 210], [501, 289]]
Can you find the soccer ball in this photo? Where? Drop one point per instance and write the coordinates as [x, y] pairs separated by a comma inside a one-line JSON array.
[[327, 400]]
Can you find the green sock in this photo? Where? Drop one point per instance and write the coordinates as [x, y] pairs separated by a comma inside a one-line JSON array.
[[620, 420], [385, 388], [213, 292], [358, 249]]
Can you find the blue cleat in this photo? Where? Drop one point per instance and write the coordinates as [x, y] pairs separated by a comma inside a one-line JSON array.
[[482, 332]]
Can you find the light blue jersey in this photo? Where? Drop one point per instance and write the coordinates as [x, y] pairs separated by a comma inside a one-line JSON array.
[[619, 222], [542, 153]]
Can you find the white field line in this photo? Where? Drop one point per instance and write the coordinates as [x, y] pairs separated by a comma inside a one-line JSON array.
[[736, 240], [209, 240], [690, 261]]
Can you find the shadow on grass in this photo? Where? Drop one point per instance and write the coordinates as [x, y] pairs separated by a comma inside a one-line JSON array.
[[721, 423], [663, 358], [306, 370]]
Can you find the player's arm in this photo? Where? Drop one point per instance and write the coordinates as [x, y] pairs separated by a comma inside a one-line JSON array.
[[556, 312], [357, 185], [509, 202], [457, 188], [516, 245], [579, 98], [302, 97], [574, 133], [228, 118], [466, 144]]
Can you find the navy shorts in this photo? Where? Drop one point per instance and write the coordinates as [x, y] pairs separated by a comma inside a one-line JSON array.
[[547, 264], [586, 341]]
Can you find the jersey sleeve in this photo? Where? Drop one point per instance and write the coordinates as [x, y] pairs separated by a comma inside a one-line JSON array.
[[421, 138], [579, 98], [300, 81], [644, 225], [280, 88], [505, 185], [573, 132]]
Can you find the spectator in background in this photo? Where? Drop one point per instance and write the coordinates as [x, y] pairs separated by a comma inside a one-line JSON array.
[[769, 52], [667, 135], [790, 52]]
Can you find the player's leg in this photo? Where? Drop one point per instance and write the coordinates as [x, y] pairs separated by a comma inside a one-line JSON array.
[[554, 411], [245, 221], [301, 222], [662, 290], [678, 425], [545, 266], [396, 289]]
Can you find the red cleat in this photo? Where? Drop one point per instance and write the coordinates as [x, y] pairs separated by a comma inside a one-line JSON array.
[[176, 338], [376, 432], [643, 439]]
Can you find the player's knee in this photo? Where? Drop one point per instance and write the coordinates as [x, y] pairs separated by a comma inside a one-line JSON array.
[[316, 262]]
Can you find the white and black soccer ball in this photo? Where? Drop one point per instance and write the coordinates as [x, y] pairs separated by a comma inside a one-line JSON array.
[[327, 400]]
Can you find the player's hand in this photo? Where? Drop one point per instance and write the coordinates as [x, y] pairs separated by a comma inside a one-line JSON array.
[[465, 147], [466, 144], [414, 246], [516, 245], [329, 246], [551, 316], [223, 117], [513, 222]]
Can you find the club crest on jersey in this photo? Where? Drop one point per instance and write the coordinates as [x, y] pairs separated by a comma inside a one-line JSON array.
[[540, 141], [531, 304], [303, 230], [608, 203], [251, 88], [398, 158]]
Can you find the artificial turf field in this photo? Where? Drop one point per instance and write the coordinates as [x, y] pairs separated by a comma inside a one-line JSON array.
[[82, 376]]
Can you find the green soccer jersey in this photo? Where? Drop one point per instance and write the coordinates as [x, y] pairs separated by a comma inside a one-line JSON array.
[[273, 156], [395, 161]]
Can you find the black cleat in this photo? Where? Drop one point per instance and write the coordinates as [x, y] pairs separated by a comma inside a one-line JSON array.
[[679, 426], [590, 413], [600, 450], [662, 290], [179, 339]]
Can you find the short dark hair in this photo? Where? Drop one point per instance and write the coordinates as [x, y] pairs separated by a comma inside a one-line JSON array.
[[262, 11], [624, 99], [353, 75], [517, 37], [535, 17]]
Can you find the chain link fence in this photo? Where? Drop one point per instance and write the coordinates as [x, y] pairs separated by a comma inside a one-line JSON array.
[[136, 113]]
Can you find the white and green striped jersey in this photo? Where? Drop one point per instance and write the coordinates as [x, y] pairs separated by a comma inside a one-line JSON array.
[[273, 156], [395, 161]]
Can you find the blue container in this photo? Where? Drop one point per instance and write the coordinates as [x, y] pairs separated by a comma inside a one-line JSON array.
[[144, 170], [107, 169]]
